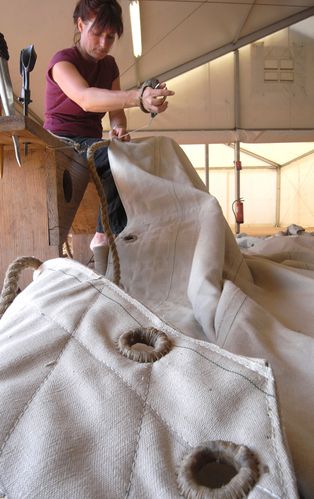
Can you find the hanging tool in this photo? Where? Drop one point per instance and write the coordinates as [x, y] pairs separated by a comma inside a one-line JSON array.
[[154, 83], [28, 59], [6, 92]]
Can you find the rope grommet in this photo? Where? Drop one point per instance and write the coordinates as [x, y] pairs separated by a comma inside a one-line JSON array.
[[157, 342], [218, 470]]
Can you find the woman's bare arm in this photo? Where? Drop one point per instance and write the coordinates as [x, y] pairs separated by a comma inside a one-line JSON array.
[[101, 100]]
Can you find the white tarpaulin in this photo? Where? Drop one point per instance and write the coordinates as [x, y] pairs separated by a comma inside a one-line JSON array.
[[81, 420]]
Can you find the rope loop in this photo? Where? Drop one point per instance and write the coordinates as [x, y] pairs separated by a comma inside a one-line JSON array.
[[10, 284]]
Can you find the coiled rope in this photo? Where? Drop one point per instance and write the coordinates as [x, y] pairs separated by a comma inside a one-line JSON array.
[[11, 279]]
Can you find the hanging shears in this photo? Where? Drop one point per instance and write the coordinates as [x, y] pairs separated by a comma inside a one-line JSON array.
[[27, 62], [6, 92]]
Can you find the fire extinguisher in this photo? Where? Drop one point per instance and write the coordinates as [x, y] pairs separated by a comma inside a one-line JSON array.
[[237, 208]]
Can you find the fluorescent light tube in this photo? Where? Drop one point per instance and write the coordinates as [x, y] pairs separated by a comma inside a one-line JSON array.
[[136, 27]]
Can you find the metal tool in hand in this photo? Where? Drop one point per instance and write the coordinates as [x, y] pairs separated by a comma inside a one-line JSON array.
[[28, 59], [6, 92], [154, 83]]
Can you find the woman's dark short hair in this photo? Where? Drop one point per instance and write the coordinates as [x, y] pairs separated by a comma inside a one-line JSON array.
[[107, 13]]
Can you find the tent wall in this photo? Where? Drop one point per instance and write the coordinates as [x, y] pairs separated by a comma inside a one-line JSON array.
[[276, 82], [297, 187], [267, 193], [258, 190]]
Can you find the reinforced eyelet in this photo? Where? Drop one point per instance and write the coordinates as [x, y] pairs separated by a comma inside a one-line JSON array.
[[156, 344], [218, 470], [130, 238]]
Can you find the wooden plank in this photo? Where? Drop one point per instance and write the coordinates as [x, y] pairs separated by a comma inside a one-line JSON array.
[[86, 216], [81, 250], [66, 183], [12, 123], [26, 128], [24, 221], [34, 134]]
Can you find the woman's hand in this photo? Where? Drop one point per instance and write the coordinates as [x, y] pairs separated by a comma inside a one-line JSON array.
[[154, 99], [119, 133]]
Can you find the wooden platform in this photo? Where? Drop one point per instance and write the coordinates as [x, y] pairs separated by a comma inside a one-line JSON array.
[[38, 201]]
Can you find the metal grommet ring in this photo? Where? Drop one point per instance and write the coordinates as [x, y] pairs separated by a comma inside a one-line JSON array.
[[157, 341], [218, 470]]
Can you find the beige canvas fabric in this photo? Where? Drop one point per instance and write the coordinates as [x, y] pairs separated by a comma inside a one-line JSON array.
[[184, 264], [81, 420]]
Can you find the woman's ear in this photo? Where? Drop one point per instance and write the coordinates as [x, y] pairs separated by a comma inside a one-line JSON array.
[[80, 24]]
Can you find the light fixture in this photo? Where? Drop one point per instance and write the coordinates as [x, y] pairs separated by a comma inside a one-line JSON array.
[[136, 27]]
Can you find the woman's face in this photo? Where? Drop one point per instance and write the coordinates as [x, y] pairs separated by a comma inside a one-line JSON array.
[[93, 44]]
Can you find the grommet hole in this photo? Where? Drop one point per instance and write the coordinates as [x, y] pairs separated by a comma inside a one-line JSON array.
[[144, 344], [130, 238], [215, 474], [142, 347], [218, 469]]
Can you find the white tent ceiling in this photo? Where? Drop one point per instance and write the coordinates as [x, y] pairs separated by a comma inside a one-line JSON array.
[[180, 37]]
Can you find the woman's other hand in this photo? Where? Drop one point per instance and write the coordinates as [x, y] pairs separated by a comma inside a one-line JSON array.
[[119, 133]]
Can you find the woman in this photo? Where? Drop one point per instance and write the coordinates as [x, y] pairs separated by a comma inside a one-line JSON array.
[[82, 84]]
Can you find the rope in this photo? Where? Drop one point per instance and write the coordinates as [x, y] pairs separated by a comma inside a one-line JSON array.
[[10, 285], [67, 248], [104, 209]]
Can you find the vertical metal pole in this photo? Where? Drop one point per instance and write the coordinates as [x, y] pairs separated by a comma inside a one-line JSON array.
[[237, 179], [278, 194], [206, 166], [237, 160]]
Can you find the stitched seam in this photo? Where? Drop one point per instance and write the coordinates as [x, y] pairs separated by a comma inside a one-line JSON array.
[[223, 318], [274, 446], [2, 490], [165, 327], [99, 291], [233, 320], [203, 344], [128, 385], [235, 273], [179, 212], [268, 492], [228, 370], [137, 444], [28, 403]]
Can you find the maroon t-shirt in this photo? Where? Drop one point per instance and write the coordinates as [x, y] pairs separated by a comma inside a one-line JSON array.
[[62, 115]]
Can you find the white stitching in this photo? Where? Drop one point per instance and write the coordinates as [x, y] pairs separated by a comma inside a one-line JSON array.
[[28, 403], [268, 492], [139, 434]]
